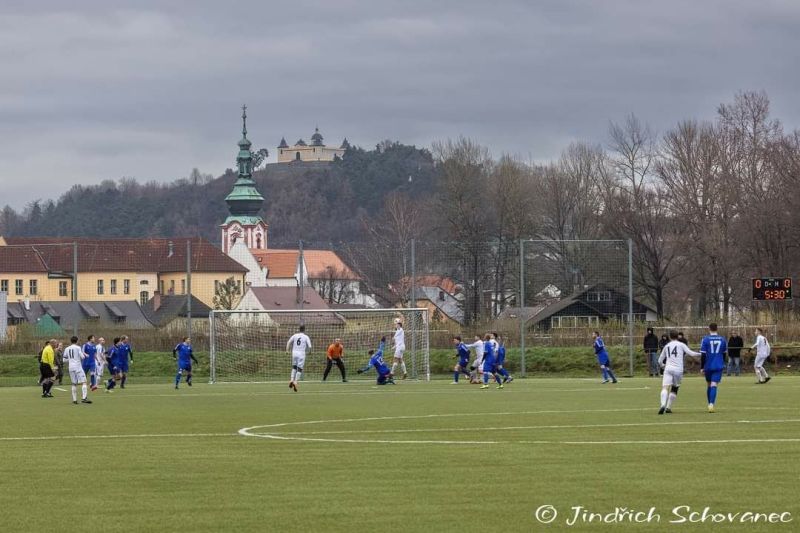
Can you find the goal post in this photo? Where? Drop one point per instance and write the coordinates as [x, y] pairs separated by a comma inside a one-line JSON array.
[[249, 346]]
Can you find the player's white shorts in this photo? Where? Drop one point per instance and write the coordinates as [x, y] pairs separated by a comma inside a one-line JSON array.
[[299, 361], [759, 362], [671, 377], [399, 351], [98, 369], [77, 376], [478, 364]]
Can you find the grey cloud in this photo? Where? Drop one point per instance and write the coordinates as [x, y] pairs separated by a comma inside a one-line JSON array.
[[151, 89]]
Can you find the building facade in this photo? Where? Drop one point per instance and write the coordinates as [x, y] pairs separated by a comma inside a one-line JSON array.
[[315, 151]]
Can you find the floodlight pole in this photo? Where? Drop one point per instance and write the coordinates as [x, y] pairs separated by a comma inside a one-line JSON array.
[[522, 307], [630, 304]]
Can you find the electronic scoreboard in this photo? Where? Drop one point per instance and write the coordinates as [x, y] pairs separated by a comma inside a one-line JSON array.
[[772, 288]]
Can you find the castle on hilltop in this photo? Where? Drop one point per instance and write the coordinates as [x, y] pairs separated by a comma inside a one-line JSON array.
[[316, 151]]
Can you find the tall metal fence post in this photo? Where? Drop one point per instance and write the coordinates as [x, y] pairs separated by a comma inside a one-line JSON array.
[[75, 282], [189, 288], [630, 304], [412, 304], [301, 281], [522, 307]]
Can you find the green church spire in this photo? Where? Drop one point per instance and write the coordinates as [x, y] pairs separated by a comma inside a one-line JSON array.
[[244, 201]]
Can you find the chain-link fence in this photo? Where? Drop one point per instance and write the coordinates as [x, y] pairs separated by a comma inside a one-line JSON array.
[[544, 298]]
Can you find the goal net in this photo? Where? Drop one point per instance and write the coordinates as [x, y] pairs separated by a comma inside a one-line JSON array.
[[250, 346]]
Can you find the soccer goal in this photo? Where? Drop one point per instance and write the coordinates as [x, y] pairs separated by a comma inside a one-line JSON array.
[[250, 346]]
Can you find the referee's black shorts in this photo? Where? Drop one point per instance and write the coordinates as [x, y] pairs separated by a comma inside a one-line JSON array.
[[46, 371]]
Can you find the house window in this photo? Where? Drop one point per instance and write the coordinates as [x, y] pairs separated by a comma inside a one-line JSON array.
[[100, 288], [599, 296], [62, 288], [34, 287], [126, 286], [113, 287], [18, 287], [172, 286], [561, 322], [144, 296], [4, 285], [441, 296], [144, 282], [183, 286]]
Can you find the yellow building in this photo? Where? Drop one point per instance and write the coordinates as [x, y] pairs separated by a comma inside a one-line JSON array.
[[316, 151], [42, 269]]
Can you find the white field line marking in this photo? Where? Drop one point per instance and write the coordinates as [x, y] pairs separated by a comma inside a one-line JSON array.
[[135, 436], [708, 441], [513, 428], [60, 389], [383, 390]]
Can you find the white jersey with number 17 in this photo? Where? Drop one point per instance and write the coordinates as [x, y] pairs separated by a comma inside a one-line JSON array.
[[300, 344]]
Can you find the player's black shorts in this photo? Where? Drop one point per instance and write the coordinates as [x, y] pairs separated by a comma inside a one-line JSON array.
[[46, 371]]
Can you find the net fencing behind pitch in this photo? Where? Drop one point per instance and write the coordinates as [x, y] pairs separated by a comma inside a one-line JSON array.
[[250, 346]]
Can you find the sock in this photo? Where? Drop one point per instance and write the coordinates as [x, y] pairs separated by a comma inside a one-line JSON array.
[[504, 372], [189, 379], [44, 388], [455, 376], [74, 393], [764, 372], [403, 366], [605, 374], [177, 378], [50, 386], [294, 374], [84, 391], [298, 376], [93, 380], [664, 393], [712, 395], [394, 368], [485, 378], [497, 379], [110, 383], [465, 372], [124, 379], [611, 373], [671, 399]]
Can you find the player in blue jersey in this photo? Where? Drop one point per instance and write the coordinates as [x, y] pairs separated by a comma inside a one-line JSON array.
[[500, 359], [111, 357], [124, 354], [462, 366], [184, 356], [89, 360], [489, 362], [603, 359], [712, 362], [376, 361]]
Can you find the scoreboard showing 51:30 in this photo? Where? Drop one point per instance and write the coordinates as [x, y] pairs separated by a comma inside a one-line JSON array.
[[772, 288]]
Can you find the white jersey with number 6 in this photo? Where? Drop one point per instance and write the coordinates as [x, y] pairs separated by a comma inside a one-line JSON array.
[[300, 344], [672, 356]]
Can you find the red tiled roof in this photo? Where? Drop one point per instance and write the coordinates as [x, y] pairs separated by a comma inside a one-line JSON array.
[[279, 263], [22, 259], [282, 263], [276, 298], [138, 255]]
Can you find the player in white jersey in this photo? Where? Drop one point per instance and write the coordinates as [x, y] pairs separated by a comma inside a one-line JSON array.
[[100, 359], [300, 344], [477, 365], [671, 361], [763, 350], [73, 356], [399, 348]]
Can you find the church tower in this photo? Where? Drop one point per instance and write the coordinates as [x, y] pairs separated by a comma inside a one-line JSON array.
[[244, 202]]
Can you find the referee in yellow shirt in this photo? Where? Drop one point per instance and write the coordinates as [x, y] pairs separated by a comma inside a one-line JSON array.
[[47, 367], [335, 353]]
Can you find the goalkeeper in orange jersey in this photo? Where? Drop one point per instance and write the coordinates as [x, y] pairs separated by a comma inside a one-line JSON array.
[[335, 355]]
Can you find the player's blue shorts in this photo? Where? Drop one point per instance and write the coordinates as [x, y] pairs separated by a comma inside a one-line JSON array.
[[604, 360], [122, 366], [500, 361], [88, 364], [713, 375], [383, 378], [488, 366], [463, 362], [184, 365]]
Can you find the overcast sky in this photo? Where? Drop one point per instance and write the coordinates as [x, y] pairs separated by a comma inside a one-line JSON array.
[[102, 90]]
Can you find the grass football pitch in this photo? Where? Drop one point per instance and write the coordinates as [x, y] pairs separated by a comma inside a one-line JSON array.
[[412, 457]]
